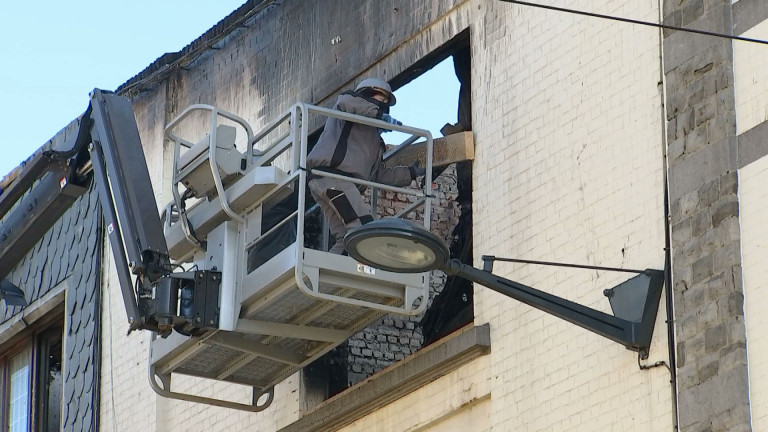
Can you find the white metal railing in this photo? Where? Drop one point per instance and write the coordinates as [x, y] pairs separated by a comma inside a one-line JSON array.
[[263, 150], [280, 151], [179, 141]]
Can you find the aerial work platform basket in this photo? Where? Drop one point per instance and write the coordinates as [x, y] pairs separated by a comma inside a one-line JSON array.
[[281, 302]]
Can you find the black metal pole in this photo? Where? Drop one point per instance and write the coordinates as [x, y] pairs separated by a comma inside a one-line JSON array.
[[489, 259]]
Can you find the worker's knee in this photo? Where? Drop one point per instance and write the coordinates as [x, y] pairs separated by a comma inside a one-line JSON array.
[[340, 202]]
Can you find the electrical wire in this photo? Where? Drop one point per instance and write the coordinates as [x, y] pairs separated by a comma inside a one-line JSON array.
[[653, 365], [638, 22]]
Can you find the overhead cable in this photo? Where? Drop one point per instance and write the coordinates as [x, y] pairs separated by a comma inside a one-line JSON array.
[[633, 21]]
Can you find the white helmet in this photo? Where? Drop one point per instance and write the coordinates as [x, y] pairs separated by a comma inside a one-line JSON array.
[[380, 85]]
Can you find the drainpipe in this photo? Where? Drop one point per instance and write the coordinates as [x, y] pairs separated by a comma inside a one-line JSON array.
[[667, 232]]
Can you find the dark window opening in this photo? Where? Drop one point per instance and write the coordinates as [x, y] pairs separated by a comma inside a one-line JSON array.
[[453, 307], [394, 338], [50, 382]]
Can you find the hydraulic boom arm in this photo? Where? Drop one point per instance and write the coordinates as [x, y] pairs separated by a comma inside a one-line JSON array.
[[108, 151]]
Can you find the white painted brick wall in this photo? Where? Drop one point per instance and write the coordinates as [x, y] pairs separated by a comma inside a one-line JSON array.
[[753, 206], [127, 401], [569, 168], [466, 407], [750, 80]]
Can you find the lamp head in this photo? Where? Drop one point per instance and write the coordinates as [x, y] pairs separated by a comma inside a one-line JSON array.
[[396, 245]]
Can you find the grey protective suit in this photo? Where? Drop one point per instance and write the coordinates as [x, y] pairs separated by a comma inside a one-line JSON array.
[[353, 150]]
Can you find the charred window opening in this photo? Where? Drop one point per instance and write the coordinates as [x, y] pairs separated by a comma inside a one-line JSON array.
[[453, 308], [395, 337]]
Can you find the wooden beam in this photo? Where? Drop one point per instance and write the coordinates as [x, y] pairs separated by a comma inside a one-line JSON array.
[[453, 148]]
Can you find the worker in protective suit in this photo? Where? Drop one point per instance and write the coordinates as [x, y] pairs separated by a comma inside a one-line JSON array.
[[354, 150]]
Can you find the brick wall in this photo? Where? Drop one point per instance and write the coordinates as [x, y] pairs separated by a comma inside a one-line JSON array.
[[395, 337], [568, 127], [752, 209], [750, 19], [751, 91], [432, 409]]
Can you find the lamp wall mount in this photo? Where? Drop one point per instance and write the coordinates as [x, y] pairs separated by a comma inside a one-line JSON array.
[[634, 302]]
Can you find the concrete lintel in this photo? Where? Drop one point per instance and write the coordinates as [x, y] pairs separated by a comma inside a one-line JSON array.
[[396, 381]]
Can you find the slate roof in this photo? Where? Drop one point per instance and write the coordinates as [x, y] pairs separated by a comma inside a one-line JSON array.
[[169, 62]]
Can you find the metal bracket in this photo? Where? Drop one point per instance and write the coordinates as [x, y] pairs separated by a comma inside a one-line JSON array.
[[165, 391], [635, 303]]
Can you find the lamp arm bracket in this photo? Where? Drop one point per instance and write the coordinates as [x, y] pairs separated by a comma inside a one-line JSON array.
[[633, 334]]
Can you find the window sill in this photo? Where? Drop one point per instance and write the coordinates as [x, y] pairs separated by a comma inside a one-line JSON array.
[[396, 381]]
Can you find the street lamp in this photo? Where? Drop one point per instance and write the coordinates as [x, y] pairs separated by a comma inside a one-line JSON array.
[[398, 245]]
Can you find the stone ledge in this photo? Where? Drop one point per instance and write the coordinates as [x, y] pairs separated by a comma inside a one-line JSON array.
[[752, 144], [747, 14], [396, 381], [35, 311]]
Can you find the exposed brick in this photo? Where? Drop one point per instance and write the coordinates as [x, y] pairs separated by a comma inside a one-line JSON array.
[[735, 304], [681, 350], [726, 257], [714, 239], [692, 10], [689, 203], [729, 184], [688, 376], [534, 196]]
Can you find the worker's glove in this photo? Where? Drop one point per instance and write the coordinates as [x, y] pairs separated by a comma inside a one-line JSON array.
[[391, 120], [416, 171]]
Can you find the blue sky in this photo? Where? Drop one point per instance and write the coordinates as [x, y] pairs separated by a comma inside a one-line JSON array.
[[56, 52]]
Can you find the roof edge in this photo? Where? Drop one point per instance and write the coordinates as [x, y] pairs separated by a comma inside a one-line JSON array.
[[169, 62]]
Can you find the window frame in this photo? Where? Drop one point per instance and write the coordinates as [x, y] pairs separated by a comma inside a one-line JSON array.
[[16, 350], [34, 336]]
